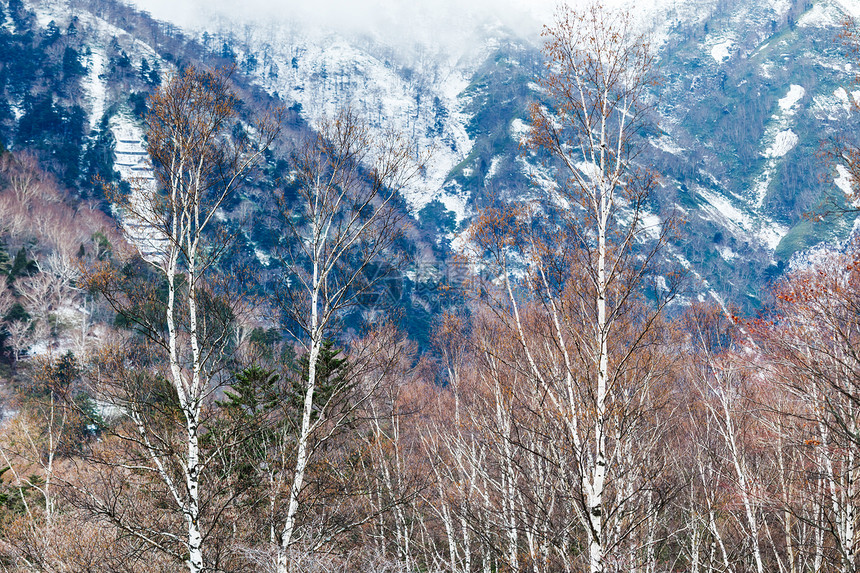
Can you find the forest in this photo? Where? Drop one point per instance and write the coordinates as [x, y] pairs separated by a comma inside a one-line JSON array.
[[577, 409]]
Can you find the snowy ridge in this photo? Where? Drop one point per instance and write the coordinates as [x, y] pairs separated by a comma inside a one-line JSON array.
[[100, 33], [822, 15]]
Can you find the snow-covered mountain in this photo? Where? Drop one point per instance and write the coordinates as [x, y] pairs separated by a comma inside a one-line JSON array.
[[750, 91]]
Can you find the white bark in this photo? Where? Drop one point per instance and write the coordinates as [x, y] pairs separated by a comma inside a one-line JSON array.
[[187, 122], [342, 210]]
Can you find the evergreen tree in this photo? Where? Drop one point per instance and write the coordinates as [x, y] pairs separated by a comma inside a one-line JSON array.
[[5, 260], [51, 33], [153, 78], [72, 63], [98, 159], [22, 266], [332, 377], [252, 397], [254, 392]]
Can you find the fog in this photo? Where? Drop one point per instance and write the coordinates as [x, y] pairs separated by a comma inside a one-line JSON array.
[[448, 24], [410, 22], [415, 21]]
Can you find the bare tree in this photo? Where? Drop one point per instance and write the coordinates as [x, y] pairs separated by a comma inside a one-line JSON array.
[[201, 151], [40, 294], [19, 337], [587, 340], [726, 414], [32, 448], [344, 220], [813, 348]]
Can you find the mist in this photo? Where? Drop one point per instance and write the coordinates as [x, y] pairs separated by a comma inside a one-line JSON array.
[[452, 24], [391, 21]]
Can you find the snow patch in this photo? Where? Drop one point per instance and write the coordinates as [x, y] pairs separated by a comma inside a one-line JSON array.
[[726, 253], [589, 169], [667, 144], [494, 168], [456, 200], [789, 103], [40, 348], [460, 243], [264, 258], [850, 7], [721, 50], [95, 86], [651, 225], [108, 410], [520, 130], [848, 103], [780, 6], [784, 142], [843, 182]]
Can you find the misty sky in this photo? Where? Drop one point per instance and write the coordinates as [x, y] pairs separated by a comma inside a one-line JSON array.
[[453, 26], [382, 16], [422, 21]]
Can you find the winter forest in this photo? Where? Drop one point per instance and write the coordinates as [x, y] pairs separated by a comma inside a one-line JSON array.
[[172, 400]]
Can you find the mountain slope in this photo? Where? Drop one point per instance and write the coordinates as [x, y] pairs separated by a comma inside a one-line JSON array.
[[749, 93]]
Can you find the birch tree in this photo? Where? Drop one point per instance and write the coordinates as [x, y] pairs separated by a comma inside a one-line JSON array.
[[343, 221], [201, 151], [587, 338], [30, 449], [813, 343]]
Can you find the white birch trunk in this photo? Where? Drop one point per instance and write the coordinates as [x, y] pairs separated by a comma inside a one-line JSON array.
[[743, 482], [302, 452]]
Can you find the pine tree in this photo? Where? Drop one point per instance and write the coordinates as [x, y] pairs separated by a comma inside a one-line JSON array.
[[248, 406], [254, 392], [22, 266], [332, 375]]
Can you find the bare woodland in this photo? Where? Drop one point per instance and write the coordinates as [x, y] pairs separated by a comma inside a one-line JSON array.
[[573, 415]]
